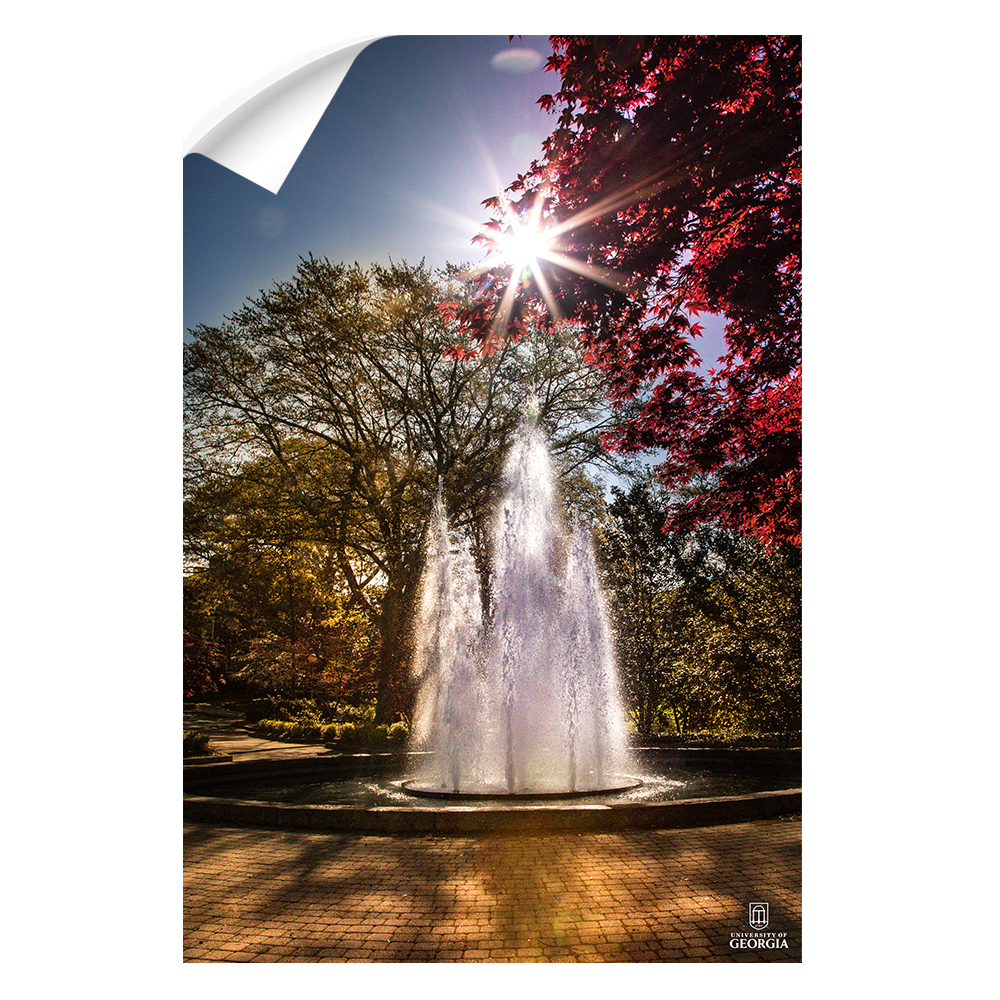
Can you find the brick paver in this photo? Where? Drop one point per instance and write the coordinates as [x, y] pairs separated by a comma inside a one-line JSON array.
[[638, 896]]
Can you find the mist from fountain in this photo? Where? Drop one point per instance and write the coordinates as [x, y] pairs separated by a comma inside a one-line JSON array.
[[449, 643], [529, 703]]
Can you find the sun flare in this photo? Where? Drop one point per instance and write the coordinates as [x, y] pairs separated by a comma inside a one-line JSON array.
[[522, 245], [529, 243]]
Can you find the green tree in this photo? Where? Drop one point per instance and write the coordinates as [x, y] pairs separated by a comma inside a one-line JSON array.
[[335, 403], [709, 621], [635, 551], [743, 632]]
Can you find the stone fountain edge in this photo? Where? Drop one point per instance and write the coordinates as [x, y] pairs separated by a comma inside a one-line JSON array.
[[461, 820]]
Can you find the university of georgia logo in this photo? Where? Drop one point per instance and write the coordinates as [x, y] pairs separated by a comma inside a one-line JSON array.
[[758, 938]]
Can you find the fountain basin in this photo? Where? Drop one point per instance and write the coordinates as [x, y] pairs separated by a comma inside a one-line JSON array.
[[363, 794], [615, 783]]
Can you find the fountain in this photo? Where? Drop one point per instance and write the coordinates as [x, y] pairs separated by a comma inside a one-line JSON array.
[[518, 703], [529, 705]]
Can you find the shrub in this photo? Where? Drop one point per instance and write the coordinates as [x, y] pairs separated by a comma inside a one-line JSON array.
[[274, 729], [397, 732], [305, 731], [368, 733], [348, 732], [196, 744], [358, 714], [287, 709]]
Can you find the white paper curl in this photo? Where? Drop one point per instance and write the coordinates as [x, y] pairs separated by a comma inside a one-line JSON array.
[[262, 138]]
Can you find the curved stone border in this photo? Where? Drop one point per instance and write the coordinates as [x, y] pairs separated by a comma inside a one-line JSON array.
[[544, 817], [215, 758], [470, 819]]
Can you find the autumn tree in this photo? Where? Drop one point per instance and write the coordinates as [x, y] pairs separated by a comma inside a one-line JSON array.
[[669, 188], [204, 666], [339, 393], [259, 572]]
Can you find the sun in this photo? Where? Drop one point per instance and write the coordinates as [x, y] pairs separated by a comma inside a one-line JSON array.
[[527, 240], [524, 243]]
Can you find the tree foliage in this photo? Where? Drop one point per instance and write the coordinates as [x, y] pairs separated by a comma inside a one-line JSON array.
[[709, 622], [273, 593], [635, 552], [204, 663], [204, 666], [322, 417], [671, 187]]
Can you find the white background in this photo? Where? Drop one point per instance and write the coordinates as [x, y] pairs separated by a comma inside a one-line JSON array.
[[900, 546]]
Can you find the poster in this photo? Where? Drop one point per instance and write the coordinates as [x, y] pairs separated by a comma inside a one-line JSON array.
[[327, 401]]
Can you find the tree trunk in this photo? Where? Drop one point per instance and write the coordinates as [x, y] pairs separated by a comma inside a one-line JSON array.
[[395, 693]]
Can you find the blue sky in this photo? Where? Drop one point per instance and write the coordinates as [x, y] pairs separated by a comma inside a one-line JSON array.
[[420, 132]]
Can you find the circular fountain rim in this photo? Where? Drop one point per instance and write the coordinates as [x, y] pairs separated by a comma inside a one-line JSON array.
[[462, 818], [420, 789]]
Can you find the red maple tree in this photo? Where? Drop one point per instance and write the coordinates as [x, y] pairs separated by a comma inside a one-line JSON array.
[[670, 187]]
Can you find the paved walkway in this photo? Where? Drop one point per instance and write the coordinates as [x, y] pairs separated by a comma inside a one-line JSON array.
[[228, 735], [255, 895]]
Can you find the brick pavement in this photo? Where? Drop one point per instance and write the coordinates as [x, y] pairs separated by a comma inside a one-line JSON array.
[[255, 895]]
